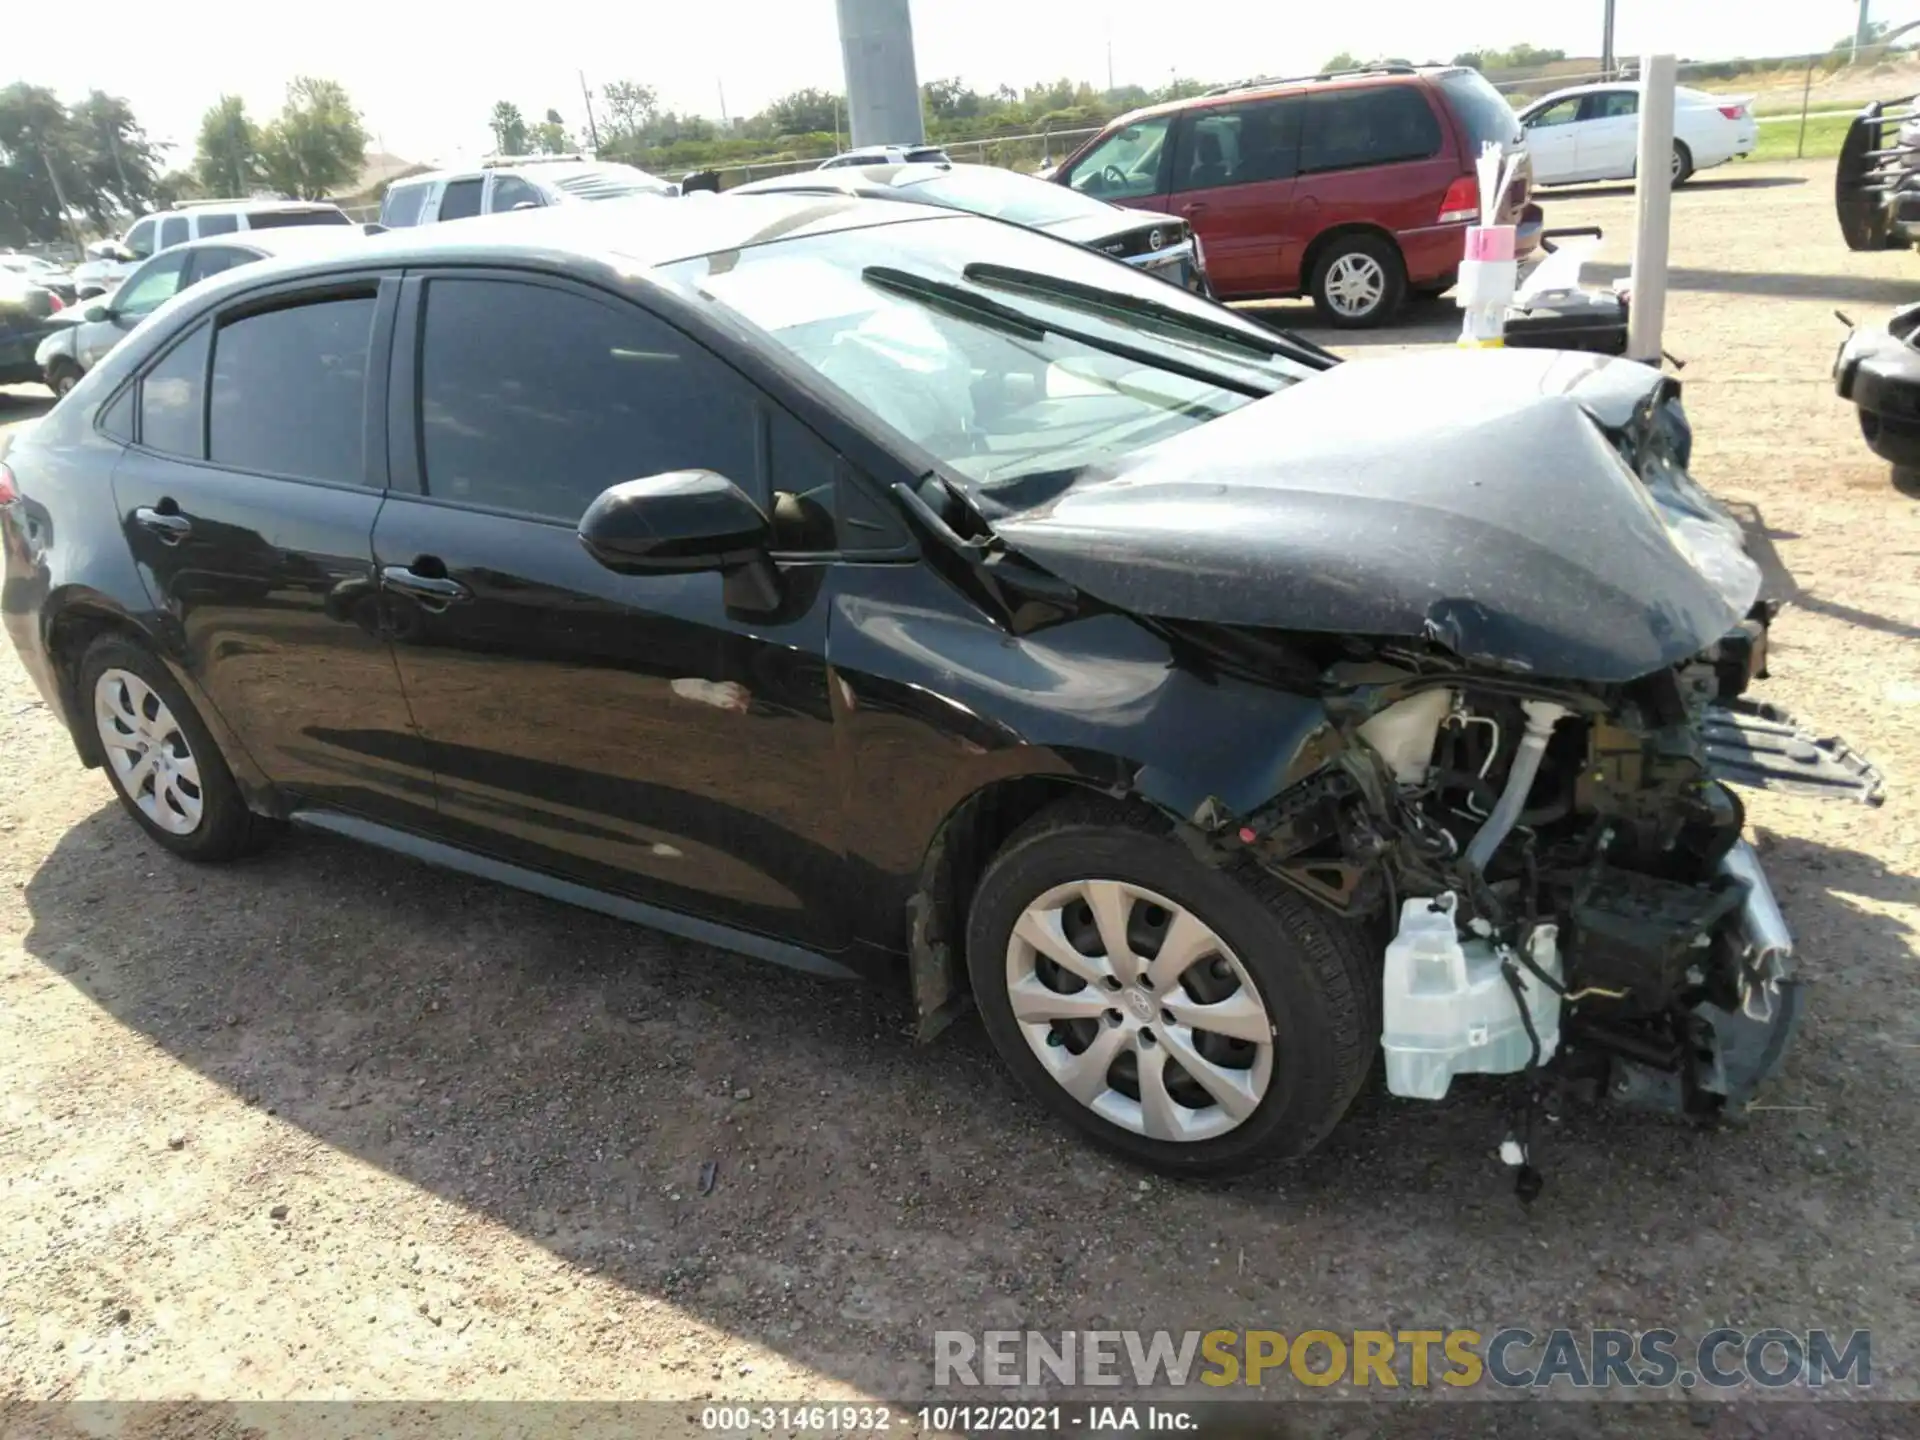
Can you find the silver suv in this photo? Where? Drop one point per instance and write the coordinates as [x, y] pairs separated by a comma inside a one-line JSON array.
[[513, 182], [111, 260]]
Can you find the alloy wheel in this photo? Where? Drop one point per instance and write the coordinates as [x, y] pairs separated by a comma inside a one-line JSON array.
[[1355, 284], [148, 751], [1137, 1009]]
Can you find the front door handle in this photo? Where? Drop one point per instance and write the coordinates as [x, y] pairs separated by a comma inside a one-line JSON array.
[[435, 592], [167, 522], [1193, 208]]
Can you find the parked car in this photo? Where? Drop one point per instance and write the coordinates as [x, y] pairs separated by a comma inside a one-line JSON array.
[[1351, 187], [73, 347], [885, 591], [43, 273], [887, 155], [512, 182], [193, 220], [1161, 245], [1592, 132], [27, 313]]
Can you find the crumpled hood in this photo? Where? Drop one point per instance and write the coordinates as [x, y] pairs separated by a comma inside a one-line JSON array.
[[1468, 498]]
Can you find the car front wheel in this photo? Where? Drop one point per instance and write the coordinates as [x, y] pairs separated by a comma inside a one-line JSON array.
[[1357, 281], [62, 376], [1193, 1020]]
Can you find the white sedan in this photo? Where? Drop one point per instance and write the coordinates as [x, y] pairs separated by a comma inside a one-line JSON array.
[[1592, 132]]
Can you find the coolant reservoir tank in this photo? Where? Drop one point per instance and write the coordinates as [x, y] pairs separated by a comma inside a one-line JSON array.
[[1404, 733], [1447, 1010]]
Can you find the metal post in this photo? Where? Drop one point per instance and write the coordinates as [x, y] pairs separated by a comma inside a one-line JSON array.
[[593, 131], [1806, 98], [1654, 209], [1606, 43], [1861, 31]]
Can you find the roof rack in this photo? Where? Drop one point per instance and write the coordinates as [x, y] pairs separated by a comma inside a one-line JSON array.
[[1262, 82], [212, 200], [494, 162]]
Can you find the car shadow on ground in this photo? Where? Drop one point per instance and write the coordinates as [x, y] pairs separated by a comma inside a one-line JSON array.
[[1862, 289], [1546, 195], [18, 403], [568, 1077], [1779, 581]]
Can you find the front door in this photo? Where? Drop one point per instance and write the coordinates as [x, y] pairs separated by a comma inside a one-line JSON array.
[[1553, 142], [248, 499], [1233, 181], [633, 733], [1609, 132], [1129, 166]]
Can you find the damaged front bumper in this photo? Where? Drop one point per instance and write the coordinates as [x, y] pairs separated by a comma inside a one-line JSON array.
[[1878, 369]]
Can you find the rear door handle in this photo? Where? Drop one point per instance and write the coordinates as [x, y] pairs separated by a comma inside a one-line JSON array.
[[169, 524], [436, 592]]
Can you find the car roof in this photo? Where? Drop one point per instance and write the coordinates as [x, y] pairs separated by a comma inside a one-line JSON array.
[[555, 169], [280, 240], [1256, 89], [630, 235], [858, 179], [240, 207]]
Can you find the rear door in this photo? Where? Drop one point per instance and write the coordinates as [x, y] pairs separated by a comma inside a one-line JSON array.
[[248, 498], [630, 732], [1233, 181], [1374, 155], [461, 198], [511, 192], [1609, 134]]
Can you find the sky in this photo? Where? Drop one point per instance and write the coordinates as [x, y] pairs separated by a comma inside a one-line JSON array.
[[426, 77]]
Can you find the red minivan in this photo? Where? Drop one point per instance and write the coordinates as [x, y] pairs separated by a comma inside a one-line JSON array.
[[1352, 188]]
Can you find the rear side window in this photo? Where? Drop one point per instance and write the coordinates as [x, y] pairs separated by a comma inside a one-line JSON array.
[[218, 225], [289, 391], [1611, 105], [1379, 125], [511, 190], [172, 399], [173, 231], [536, 399], [1240, 144], [460, 199], [402, 205], [1483, 112], [213, 259], [279, 219]]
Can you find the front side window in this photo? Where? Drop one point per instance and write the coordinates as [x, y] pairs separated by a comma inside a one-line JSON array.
[[511, 190], [536, 399], [151, 286], [1378, 125], [460, 199], [140, 239], [173, 231], [1564, 113], [973, 371], [289, 391], [1126, 164], [172, 399]]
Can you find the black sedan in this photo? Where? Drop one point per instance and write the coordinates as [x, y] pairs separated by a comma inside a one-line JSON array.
[[886, 591], [1161, 245]]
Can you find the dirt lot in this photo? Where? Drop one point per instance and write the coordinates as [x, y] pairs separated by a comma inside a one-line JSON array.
[[331, 1124]]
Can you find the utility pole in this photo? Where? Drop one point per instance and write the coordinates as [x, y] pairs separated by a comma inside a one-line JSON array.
[[724, 125], [60, 199], [593, 131], [1109, 57], [1862, 31], [1606, 42]]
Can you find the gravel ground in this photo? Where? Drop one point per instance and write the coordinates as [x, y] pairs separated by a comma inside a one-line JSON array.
[[329, 1124]]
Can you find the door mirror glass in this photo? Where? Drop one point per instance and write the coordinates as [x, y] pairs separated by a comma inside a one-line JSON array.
[[94, 314], [676, 523]]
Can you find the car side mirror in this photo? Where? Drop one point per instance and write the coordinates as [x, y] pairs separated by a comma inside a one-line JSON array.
[[681, 523], [94, 314]]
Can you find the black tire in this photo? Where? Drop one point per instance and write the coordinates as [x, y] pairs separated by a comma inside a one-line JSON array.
[[1682, 164], [1313, 972], [62, 375], [1358, 248], [226, 828]]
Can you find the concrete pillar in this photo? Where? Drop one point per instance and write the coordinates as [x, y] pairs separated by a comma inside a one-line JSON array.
[[883, 86]]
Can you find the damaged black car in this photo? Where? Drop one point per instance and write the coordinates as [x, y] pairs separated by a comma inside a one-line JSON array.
[[902, 594]]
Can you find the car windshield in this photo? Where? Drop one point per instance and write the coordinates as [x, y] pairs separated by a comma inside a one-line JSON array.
[[610, 182], [1002, 194], [1012, 391]]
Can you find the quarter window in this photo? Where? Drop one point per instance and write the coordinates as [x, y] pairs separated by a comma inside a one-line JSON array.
[[1377, 125], [289, 391], [172, 399], [536, 399]]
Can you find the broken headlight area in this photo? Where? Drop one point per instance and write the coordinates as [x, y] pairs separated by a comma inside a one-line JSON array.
[[1558, 873]]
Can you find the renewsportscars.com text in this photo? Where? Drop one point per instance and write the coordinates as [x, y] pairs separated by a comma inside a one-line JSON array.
[[1512, 1358]]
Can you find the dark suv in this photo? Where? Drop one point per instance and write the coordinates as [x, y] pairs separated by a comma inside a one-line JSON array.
[[1351, 187]]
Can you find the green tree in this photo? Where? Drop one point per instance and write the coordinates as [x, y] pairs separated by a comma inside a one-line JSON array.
[[550, 135], [118, 160], [1342, 61], [805, 112], [227, 158], [42, 164], [631, 109], [317, 145], [509, 128], [950, 100]]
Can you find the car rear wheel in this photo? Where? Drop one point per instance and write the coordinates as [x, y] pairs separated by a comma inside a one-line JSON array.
[[164, 765], [1196, 1021], [1358, 280], [62, 376], [1682, 168]]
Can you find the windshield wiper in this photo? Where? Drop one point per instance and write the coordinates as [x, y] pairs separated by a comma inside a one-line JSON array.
[[1094, 300], [972, 305]]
